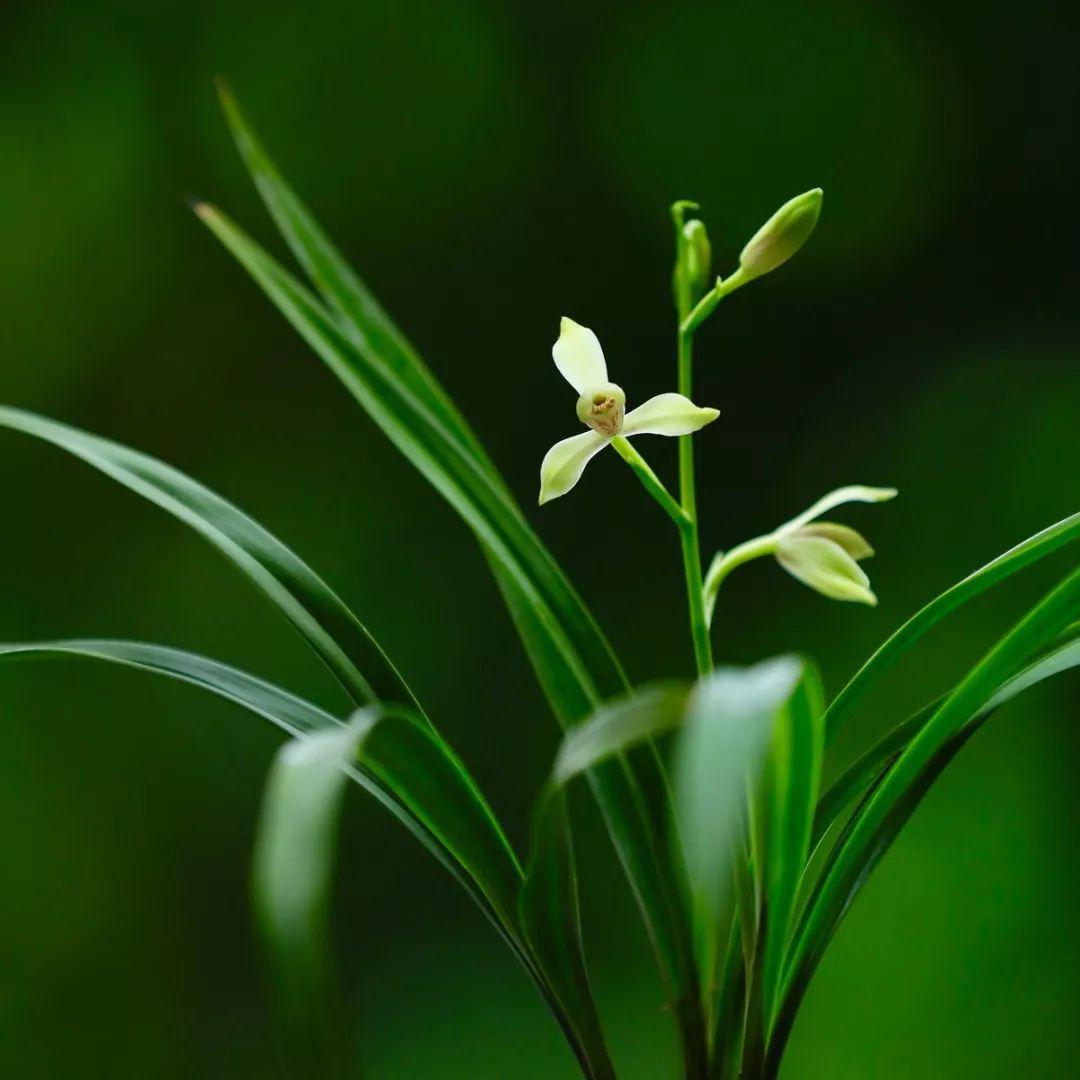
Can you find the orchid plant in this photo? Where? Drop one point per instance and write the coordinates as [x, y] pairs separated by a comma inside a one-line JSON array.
[[741, 861]]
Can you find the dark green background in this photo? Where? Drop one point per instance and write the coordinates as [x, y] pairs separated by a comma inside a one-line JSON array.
[[492, 166]]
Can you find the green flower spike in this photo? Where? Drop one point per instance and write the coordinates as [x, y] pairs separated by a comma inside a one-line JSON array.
[[601, 406]]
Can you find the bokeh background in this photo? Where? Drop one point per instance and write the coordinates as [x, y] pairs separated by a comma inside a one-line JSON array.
[[491, 166]]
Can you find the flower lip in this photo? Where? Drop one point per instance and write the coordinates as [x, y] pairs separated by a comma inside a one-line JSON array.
[[602, 407]]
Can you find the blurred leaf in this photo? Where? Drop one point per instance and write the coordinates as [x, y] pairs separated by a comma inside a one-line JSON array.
[[295, 849], [1031, 550], [291, 878], [730, 720], [334, 633]]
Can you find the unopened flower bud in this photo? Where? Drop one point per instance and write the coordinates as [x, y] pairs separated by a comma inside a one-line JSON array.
[[823, 564], [698, 257], [782, 235], [602, 408]]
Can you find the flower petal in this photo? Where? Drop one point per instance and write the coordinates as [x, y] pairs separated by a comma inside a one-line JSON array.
[[851, 493], [854, 543], [564, 463], [578, 356], [667, 414], [826, 567]]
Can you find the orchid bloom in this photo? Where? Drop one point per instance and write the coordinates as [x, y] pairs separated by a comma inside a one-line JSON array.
[[601, 406]]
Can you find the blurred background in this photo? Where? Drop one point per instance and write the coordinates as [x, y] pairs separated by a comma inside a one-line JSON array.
[[491, 166]]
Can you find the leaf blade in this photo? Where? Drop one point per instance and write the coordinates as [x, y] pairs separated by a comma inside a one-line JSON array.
[[893, 798], [333, 632], [1005, 565]]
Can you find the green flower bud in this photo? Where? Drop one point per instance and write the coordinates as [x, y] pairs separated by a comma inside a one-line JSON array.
[[782, 235], [823, 565], [698, 257], [602, 407]]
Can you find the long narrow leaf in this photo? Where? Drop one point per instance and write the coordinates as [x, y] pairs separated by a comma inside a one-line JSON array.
[[320, 616], [406, 766], [1015, 559], [551, 918], [861, 774], [527, 569], [720, 754], [792, 782], [893, 798], [361, 314], [292, 714]]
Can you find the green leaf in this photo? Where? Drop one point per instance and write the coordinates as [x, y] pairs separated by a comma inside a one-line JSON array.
[[362, 317], [291, 877], [334, 633], [551, 917], [292, 714], [720, 753], [575, 658], [405, 765], [892, 799], [860, 775], [549, 899], [1015, 559], [791, 786], [294, 855]]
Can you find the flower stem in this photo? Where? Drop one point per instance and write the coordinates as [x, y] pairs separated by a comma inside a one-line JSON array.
[[652, 483], [691, 546], [688, 535], [726, 561]]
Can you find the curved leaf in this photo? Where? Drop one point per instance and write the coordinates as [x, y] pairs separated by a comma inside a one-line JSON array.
[[1031, 550], [337, 637], [901, 785], [568, 649], [406, 766], [292, 714], [860, 775]]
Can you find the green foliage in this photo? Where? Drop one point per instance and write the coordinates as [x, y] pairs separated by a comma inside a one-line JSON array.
[[732, 859]]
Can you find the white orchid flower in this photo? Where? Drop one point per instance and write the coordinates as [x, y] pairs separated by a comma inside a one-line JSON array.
[[601, 405]]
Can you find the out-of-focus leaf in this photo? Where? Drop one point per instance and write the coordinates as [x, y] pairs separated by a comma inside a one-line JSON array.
[[719, 757], [291, 877], [1015, 559], [322, 619]]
